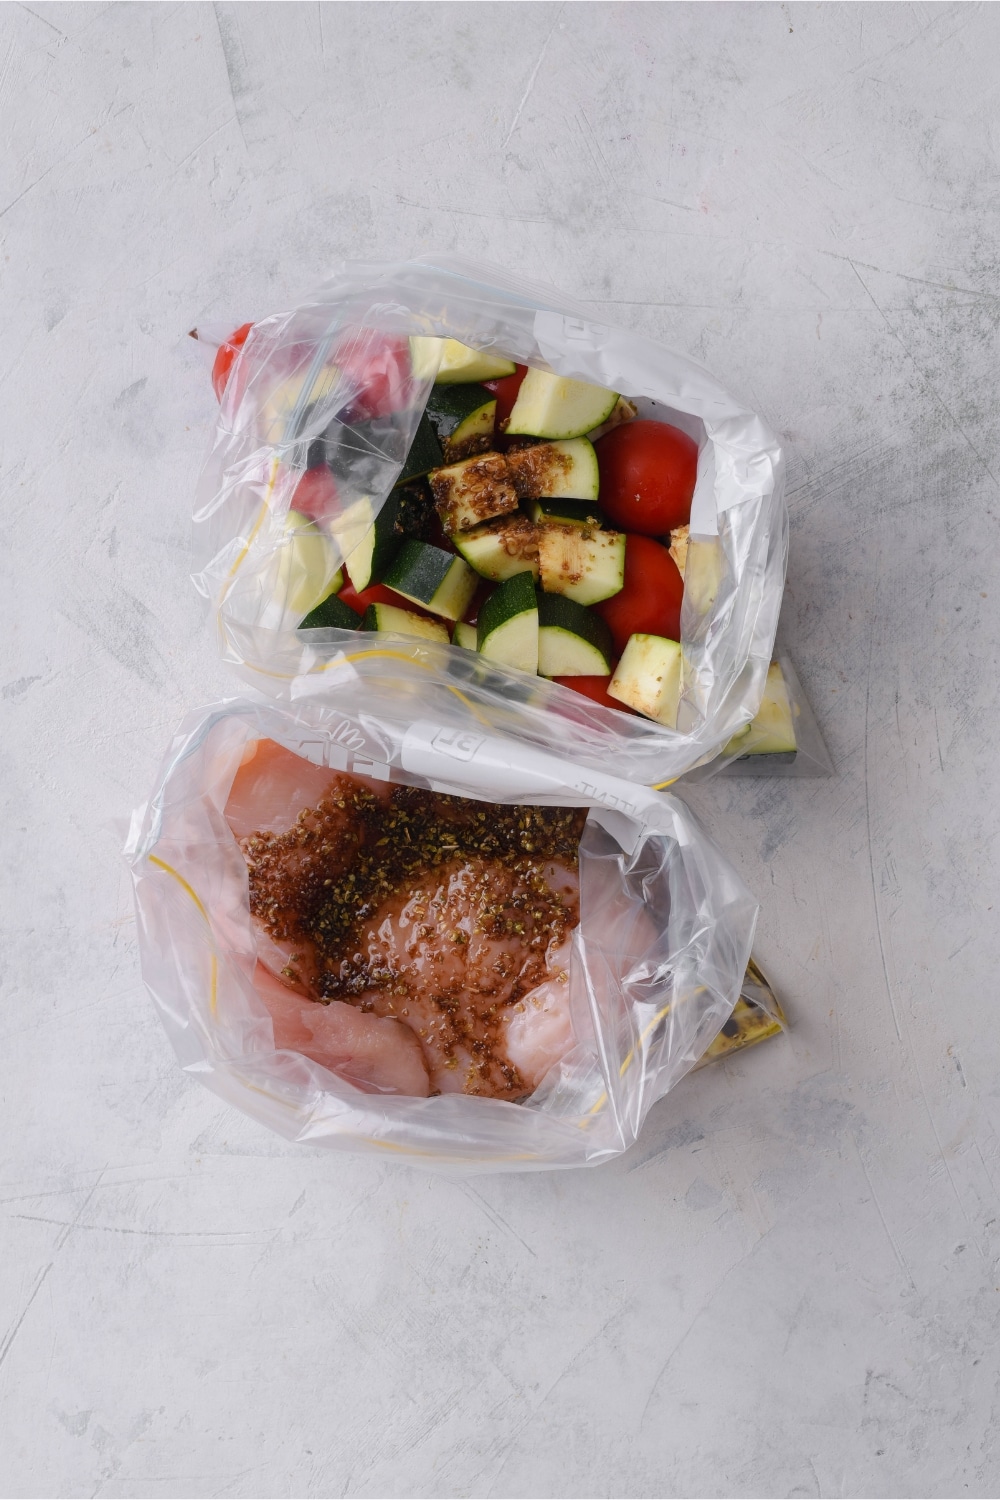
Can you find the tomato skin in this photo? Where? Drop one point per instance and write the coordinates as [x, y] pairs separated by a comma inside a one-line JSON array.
[[595, 688], [650, 601], [648, 472], [506, 390], [316, 494], [225, 358]]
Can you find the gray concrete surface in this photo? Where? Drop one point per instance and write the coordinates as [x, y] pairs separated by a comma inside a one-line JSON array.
[[791, 1286]]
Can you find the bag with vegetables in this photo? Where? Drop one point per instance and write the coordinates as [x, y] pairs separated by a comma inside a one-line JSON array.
[[434, 475]]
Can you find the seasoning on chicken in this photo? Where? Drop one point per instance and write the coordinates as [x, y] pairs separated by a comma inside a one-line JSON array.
[[446, 918]]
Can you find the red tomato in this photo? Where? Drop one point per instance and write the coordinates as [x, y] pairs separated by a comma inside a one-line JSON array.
[[595, 688], [316, 494], [650, 601], [648, 472], [506, 393], [380, 367], [225, 358]]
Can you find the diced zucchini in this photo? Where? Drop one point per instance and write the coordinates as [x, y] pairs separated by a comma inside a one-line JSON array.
[[367, 562], [703, 569], [449, 405], [572, 640], [466, 636], [475, 490], [474, 434], [307, 565], [456, 363], [565, 512], [434, 579], [581, 562], [648, 677], [425, 452], [555, 471], [499, 549], [403, 622], [772, 729], [551, 406], [332, 614], [507, 628], [623, 412]]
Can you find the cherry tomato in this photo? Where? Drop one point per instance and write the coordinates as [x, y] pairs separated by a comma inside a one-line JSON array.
[[650, 601], [648, 472], [225, 358], [380, 367], [316, 494], [506, 393], [595, 688]]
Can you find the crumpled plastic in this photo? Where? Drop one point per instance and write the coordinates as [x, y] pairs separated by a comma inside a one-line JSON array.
[[345, 351], [657, 964]]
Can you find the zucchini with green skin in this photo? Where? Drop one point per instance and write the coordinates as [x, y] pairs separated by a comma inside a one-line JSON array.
[[572, 640], [465, 636], [566, 512], [425, 452], [772, 729], [475, 490], [403, 622], [436, 580], [555, 471], [367, 562], [648, 678], [455, 363], [474, 434], [307, 565], [332, 614], [507, 628], [552, 406], [581, 562], [448, 406], [499, 549]]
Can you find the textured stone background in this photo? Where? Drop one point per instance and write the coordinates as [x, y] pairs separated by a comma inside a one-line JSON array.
[[791, 1286]]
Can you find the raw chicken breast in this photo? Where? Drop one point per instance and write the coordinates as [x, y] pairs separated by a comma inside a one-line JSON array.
[[378, 1056], [408, 915]]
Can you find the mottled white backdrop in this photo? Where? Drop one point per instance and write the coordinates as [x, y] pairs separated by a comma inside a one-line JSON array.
[[790, 1287]]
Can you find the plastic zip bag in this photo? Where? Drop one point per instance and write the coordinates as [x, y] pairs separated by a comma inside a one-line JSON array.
[[336, 370], [657, 963]]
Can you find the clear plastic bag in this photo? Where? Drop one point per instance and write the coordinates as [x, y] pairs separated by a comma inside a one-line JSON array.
[[657, 963], [337, 370]]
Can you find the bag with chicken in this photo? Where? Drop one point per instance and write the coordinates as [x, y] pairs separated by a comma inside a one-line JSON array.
[[409, 936], [557, 512]]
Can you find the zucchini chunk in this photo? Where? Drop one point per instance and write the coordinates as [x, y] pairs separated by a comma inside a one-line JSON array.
[[465, 636], [555, 471], [332, 614], [551, 406], [572, 640], [566, 512], [477, 489], [499, 549], [581, 562], [507, 628], [403, 622], [425, 452], [436, 580], [648, 677], [457, 364], [772, 730]]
